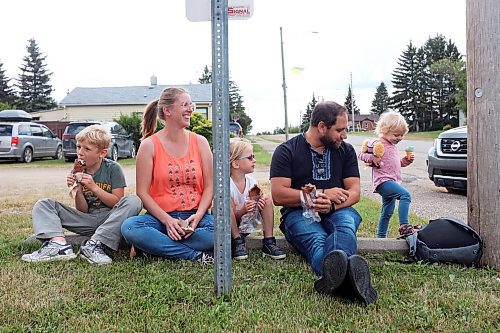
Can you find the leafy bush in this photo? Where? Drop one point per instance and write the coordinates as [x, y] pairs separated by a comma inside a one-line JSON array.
[[447, 127], [132, 124]]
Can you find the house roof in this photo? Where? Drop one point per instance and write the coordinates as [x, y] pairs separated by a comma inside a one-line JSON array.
[[138, 95], [361, 117]]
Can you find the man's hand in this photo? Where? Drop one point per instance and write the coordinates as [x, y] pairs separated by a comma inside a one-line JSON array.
[[321, 203], [337, 195]]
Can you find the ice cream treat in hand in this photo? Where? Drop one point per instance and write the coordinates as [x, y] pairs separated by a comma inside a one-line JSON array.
[[409, 150], [186, 227], [307, 195], [78, 168], [255, 192]]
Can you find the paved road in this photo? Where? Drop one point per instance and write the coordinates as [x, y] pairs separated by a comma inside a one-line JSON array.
[[428, 201]]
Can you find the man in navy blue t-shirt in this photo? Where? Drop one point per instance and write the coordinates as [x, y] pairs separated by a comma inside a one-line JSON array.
[[321, 157]]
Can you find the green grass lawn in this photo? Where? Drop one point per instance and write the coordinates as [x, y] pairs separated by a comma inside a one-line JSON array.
[[425, 136], [52, 163], [149, 295]]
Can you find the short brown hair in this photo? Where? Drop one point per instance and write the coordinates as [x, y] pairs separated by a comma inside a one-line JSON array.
[[96, 135]]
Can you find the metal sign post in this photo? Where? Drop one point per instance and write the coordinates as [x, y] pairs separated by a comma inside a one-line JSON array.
[[220, 128]]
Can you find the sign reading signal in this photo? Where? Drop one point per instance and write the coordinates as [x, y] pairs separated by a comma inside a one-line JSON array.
[[201, 10]]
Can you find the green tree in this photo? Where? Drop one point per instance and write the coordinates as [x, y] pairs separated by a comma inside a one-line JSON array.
[[348, 104], [206, 76], [408, 81], [440, 84], [33, 82], [456, 72], [306, 117], [236, 107], [7, 95], [380, 103]]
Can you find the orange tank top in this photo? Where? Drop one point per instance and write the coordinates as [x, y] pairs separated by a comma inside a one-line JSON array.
[[177, 183]]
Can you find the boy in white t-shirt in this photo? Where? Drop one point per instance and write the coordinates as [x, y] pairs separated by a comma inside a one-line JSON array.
[[242, 162]]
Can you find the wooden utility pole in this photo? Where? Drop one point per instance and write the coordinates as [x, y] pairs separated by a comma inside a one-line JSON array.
[[483, 110]]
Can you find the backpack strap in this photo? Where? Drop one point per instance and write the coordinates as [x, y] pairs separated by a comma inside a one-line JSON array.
[[412, 243]]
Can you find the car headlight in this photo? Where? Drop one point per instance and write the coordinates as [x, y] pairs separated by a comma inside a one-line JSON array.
[[436, 143]]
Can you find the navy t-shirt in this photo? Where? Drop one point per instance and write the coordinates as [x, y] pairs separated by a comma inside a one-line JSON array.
[[295, 159]]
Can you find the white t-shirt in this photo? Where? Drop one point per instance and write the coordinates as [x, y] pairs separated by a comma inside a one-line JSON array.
[[240, 198]]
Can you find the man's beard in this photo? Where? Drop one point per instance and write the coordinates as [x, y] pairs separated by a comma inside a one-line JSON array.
[[329, 143]]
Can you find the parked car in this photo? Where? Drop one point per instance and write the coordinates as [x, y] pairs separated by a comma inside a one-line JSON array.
[[25, 141], [121, 145], [235, 128], [447, 159]]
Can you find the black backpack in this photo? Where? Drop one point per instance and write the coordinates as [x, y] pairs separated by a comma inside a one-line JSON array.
[[446, 240]]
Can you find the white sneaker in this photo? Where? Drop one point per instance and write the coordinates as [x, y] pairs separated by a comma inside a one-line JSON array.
[[93, 252], [50, 251]]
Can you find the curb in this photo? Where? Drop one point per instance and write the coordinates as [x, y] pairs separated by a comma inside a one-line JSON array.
[[365, 245]]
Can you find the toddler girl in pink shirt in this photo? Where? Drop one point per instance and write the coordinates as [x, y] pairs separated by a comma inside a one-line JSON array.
[[386, 173]]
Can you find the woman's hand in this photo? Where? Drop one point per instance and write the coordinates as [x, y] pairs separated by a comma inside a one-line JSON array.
[[174, 230]]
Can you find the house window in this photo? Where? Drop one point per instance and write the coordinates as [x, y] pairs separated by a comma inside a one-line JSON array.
[[203, 111]]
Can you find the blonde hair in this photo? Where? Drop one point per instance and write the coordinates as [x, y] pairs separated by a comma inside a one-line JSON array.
[[154, 110], [236, 147], [96, 135], [389, 122]]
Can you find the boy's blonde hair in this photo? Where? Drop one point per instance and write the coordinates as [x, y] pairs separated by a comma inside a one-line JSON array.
[[391, 121], [236, 147], [96, 135]]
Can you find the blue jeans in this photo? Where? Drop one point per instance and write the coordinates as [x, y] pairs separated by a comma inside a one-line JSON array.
[[148, 234], [390, 191], [336, 231]]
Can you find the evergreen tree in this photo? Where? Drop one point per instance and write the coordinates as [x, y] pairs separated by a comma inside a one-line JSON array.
[[456, 73], [206, 76], [33, 82], [407, 79], [440, 84], [7, 95], [306, 117], [236, 107], [380, 103], [348, 104]]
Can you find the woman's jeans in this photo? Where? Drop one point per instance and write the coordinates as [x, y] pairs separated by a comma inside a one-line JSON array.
[[390, 191], [336, 231], [148, 234]]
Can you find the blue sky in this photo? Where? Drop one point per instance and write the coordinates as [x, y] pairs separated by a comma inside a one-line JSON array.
[[122, 43]]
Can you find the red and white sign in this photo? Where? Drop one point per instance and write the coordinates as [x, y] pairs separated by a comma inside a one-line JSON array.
[[201, 10]]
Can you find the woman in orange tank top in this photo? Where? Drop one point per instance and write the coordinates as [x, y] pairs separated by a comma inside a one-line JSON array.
[[174, 179]]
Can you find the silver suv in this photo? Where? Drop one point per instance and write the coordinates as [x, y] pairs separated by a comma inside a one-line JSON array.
[[25, 141], [447, 160], [121, 145]]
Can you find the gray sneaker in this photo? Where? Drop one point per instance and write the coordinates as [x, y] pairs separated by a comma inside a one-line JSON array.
[[93, 252], [50, 251]]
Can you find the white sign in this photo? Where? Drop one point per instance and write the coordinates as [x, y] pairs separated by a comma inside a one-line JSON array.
[[201, 10]]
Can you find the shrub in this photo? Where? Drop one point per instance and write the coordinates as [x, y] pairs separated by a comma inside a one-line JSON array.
[[447, 127]]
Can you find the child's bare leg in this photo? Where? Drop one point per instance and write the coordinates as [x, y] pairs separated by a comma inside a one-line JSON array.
[[235, 232], [268, 217]]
